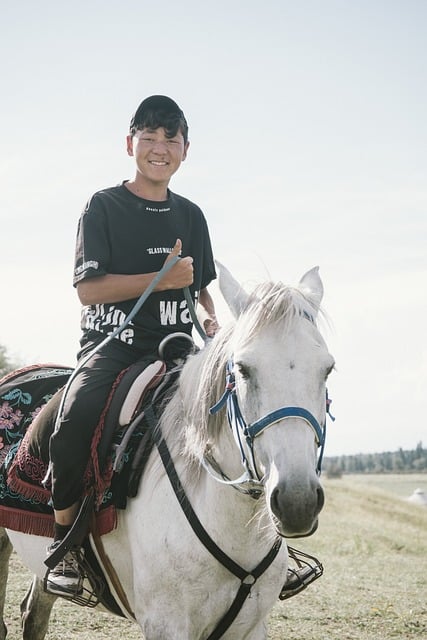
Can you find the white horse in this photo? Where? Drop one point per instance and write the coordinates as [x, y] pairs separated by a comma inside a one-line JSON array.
[[276, 365]]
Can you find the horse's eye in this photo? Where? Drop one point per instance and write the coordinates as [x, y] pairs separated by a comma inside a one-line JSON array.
[[243, 370]]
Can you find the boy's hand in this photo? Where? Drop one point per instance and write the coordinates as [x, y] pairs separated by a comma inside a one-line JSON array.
[[181, 274], [211, 327]]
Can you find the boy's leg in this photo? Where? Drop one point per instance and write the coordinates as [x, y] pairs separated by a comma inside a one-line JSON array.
[[70, 450], [67, 516], [70, 444]]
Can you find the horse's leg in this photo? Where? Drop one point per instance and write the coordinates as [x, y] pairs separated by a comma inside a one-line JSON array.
[[35, 611], [5, 551]]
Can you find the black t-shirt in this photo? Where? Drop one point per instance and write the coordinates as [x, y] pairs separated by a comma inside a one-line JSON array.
[[120, 233]]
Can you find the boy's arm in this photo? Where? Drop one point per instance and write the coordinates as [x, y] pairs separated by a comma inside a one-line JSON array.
[[210, 322], [117, 287]]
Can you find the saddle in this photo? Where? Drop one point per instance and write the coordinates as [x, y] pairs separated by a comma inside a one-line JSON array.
[[29, 400]]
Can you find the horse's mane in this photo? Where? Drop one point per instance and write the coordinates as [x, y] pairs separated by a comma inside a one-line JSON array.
[[202, 380]]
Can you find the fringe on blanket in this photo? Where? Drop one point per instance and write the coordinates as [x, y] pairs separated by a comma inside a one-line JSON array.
[[42, 524]]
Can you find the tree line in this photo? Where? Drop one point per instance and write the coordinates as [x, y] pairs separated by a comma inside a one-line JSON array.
[[400, 461]]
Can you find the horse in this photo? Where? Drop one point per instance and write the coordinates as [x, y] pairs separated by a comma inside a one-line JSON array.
[[200, 552]]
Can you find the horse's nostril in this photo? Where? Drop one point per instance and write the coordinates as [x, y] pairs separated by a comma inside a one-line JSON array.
[[274, 501], [320, 498]]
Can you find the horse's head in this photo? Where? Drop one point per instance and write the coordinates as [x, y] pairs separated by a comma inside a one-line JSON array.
[[278, 366]]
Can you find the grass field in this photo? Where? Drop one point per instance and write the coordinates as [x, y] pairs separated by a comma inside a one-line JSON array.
[[373, 545]]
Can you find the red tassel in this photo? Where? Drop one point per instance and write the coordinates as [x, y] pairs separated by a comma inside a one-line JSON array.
[[42, 524], [37, 524], [101, 481]]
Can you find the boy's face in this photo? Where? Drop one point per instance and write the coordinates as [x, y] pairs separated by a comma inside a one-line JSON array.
[[157, 157]]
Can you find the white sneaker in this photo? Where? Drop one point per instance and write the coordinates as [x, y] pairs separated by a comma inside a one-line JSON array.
[[66, 578]]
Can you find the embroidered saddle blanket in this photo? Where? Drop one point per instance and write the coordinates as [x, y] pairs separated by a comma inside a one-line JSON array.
[[35, 392]]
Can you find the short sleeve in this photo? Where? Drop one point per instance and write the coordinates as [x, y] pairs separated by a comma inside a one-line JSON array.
[[93, 247]]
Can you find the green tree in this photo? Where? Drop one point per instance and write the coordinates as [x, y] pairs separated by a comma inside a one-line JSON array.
[[6, 364]]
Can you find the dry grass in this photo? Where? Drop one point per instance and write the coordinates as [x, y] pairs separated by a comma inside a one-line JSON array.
[[374, 549]]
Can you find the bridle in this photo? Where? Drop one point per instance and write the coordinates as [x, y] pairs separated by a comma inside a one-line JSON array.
[[244, 435]]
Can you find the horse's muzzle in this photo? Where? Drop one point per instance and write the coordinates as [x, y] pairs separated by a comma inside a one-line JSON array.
[[295, 509]]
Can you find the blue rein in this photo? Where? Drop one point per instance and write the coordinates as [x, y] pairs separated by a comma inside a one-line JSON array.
[[247, 433]]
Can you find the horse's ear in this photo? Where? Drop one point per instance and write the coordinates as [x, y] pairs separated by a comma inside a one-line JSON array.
[[312, 287], [233, 293]]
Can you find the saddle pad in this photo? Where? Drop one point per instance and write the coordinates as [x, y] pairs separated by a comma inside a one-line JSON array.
[[23, 394], [24, 501]]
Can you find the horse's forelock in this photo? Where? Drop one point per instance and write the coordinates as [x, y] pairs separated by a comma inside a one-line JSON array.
[[271, 303]]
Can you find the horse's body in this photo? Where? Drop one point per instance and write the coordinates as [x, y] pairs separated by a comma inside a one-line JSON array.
[[174, 586]]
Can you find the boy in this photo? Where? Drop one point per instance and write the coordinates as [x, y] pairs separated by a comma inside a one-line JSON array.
[[125, 235]]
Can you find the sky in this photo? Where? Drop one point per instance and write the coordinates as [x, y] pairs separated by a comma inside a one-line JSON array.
[[308, 147]]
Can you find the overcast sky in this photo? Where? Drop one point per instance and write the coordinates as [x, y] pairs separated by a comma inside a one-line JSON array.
[[308, 147]]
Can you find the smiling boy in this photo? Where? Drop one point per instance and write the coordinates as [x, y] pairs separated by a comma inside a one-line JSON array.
[[125, 235]]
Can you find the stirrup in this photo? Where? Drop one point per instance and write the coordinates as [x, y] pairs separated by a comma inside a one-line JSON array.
[[92, 589], [305, 571]]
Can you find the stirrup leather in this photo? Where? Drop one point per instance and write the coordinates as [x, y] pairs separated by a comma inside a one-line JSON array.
[[305, 570]]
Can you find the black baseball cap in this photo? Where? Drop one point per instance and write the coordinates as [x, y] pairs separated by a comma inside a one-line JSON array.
[[160, 111]]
